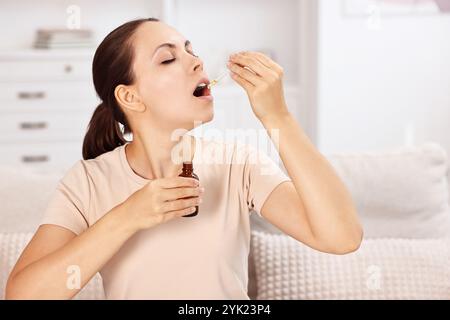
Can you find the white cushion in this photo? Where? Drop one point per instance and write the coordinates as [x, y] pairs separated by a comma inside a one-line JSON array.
[[24, 194], [12, 245], [399, 193], [380, 269]]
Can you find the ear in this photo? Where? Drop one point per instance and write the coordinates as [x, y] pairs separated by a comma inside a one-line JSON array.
[[128, 98]]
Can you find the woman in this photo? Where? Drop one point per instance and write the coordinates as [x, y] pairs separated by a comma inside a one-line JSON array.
[[119, 211]]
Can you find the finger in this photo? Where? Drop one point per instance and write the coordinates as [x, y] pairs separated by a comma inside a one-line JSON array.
[[183, 192], [174, 182], [178, 213], [243, 82], [254, 79], [180, 204], [253, 63], [266, 61]]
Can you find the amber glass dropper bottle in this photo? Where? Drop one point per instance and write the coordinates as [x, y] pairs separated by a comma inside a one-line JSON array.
[[188, 171]]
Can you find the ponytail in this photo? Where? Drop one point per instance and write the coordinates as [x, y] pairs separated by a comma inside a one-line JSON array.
[[112, 66], [103, 133]]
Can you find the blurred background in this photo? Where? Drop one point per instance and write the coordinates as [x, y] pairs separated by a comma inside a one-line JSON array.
[[368, 81], [359, 74]]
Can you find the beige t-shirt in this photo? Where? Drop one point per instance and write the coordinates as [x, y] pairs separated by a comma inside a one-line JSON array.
[[202, 257]]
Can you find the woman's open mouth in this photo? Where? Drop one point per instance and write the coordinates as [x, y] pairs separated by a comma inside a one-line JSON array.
[[203, 92]]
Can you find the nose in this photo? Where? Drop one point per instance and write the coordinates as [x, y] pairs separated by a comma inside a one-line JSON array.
[[198, 64]]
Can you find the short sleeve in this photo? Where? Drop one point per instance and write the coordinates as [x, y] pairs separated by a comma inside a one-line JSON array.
[[69, 204], [262, 176]]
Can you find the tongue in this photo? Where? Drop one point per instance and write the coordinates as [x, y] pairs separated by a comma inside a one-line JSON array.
[[201, 91]]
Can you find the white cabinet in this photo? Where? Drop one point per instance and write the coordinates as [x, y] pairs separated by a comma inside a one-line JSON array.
[[46, 101], [45, 156]]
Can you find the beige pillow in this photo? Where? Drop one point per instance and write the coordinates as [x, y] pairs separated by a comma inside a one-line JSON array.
[[381, 269], [24, 194], [401, 193], [12, 245]]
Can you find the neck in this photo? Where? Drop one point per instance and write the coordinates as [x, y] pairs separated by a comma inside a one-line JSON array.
[[157, 155]]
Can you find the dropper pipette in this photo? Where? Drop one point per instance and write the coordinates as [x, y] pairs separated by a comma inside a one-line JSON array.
[[215, 81]]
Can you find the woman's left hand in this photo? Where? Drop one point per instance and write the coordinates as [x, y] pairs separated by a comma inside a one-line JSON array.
[[264, 86]]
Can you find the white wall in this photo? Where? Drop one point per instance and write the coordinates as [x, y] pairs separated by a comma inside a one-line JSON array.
[[20, 19], [382, 88]]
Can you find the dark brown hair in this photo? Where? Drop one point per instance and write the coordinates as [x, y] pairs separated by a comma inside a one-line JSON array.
[[112, 66]]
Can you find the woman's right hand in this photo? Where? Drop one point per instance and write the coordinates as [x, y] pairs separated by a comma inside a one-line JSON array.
[[160, 200]]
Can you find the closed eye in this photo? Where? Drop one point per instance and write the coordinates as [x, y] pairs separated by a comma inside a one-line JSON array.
[[168, 61], [171, 60]]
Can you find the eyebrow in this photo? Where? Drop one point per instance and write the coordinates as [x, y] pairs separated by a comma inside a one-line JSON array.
[[171, 45]]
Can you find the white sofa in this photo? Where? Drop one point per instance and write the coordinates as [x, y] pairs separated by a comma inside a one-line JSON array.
[[402, 197]]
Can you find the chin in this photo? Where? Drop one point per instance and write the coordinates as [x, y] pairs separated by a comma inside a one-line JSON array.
[[204, 112], [203, 117], [209, 112]]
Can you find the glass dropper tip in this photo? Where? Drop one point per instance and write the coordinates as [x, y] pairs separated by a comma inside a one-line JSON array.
[[215, 81]]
